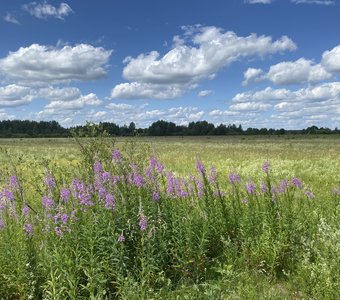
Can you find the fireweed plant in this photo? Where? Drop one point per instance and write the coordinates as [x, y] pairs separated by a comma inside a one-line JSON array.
[[126, 227]]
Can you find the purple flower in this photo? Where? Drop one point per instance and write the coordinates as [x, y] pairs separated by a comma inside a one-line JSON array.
[[160, 168], [64, 218], [97, 167], [13, 182], [110, 202], [58, 231], [264, 187], [213, 174], [309, 194], [282, 186], [47, 202], [106, 176], [49, 181], [138, 180], [8, 194], [153, 162], [65, 194], [148, 172], [200, 167], [143, 223], [121, 238], [117, 155], [28, 229], [155, 196], [2, 224], [297, 182], [234, 178], [266, 167], [25, 210], [251, 187]]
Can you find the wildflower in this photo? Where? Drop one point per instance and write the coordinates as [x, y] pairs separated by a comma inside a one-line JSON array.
[[155, 196], [58, 231], [138, 180], [213, 174], [2, 224], [251, 187], [97, 167], [264, 187], [297, 182], [13, 182], [117, 155], [200, 167], [65, 194], [64, 218], [309, 194], [266, 167], [28, 229], [153, 162], [159, 168], [121, 238], [25, 210], [47, 202], [234, 178], [8, 194], [282, 186], [49, 181], [110, 202], [148, 172], [143, 223], [106, 176]]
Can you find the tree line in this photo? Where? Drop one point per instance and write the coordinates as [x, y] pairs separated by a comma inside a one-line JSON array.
[[27, 128]]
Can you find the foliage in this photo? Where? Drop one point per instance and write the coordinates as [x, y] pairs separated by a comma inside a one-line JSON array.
[[122, 225]]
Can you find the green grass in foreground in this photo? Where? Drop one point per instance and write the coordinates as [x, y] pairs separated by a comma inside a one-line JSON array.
[[153, 234]]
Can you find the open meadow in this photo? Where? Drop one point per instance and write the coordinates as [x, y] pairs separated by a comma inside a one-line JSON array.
[[235, 217]]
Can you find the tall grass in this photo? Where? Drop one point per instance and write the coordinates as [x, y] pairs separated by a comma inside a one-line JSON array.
[[124, 226]]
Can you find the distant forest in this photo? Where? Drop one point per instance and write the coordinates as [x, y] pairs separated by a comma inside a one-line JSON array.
[[26, 128]]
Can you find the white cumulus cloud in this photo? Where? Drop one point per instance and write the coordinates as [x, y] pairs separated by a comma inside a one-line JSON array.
[[11, 19], [39, 64], [204, 93], [203, 51], [45, 10]]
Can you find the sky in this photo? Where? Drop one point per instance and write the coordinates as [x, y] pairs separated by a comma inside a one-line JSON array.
[[258, 63]]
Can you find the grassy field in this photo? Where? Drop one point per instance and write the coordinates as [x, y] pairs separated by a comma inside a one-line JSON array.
[[168, 235]]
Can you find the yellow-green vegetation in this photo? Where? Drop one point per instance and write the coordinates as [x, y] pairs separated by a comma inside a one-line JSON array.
[[148, 218]]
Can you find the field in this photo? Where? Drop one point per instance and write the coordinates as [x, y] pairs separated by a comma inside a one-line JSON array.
[[83, 222]]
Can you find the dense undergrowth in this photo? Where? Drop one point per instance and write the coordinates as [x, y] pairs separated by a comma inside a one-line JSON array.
[[121, 225]]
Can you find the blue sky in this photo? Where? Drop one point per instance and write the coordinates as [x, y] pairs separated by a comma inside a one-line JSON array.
[[259, 63]]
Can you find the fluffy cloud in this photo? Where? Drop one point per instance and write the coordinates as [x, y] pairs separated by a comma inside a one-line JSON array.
[[252, 74], [204, 93], [142, 90], [11, 19], [331, 60], [74, 104], [16, 95], [201, 52], [250, 106], [45, 10], [319, 2], [39, 64]]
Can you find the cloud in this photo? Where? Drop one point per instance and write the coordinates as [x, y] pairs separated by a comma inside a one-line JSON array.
[[16, 95], [290, 72], [11, 19], [74, 104], [250, 106], [45, 10], [204, 93], [252, 74], [142, 90], [39, 64], [318, 2], [200, 54], [258, 1], [331, 60]]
